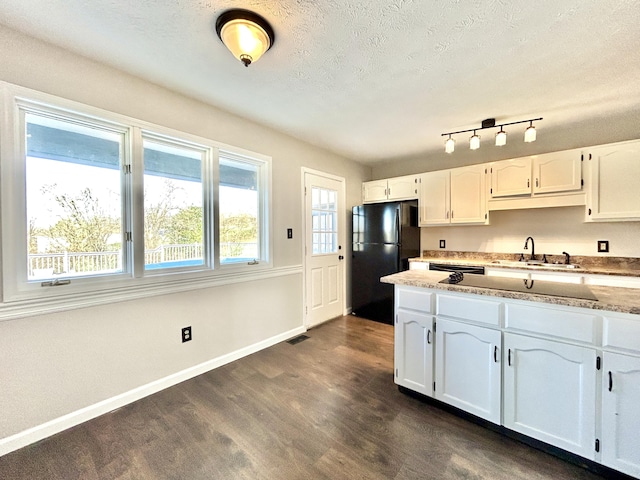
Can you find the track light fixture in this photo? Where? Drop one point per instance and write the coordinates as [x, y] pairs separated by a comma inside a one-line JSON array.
[[449, 145], [501, 136]]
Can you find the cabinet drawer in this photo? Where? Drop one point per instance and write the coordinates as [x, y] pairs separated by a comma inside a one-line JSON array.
[[414, 298], [473, 309], [557, 322], [621, 331]]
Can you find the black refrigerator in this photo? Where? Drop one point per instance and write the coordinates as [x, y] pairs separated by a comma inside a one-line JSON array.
[[385, 237]]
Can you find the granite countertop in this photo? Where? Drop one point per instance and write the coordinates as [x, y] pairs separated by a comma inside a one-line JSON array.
[[629, 267], [613, 299]]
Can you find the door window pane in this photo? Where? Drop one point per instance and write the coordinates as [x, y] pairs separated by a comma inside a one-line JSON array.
[[324, 220], [73, 197], [239, 209], [173, 206]]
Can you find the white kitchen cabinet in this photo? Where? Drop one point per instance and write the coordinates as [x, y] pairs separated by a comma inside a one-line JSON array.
[[434, 201], [414, 350], [414, 339], [551, 173], [614, 182], [620, 413], [468, 194], [391, 189], [550, 392], [511, 177], [374, 191], [557, 172], [468, 368], [456, 196]]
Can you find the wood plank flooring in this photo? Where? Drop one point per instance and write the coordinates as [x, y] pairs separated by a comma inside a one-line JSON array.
[[326, 408]]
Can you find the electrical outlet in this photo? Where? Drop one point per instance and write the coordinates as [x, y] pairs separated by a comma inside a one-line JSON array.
[[186, 334], [442, 243], [289, 232], [603, 246]]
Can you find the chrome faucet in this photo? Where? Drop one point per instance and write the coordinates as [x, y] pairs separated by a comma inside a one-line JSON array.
[[567, 258], [533, 247]]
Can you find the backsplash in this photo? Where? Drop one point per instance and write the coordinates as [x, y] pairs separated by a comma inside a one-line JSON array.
[[555, 230]]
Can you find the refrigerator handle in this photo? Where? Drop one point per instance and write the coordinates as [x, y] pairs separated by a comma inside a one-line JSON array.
[[398, 224]]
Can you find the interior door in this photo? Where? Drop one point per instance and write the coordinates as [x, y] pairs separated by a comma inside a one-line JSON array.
[[324, 252]]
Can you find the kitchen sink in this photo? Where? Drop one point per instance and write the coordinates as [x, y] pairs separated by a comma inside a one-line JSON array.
[[535, 263]]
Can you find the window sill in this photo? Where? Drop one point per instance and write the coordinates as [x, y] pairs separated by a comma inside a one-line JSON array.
[[122, 293]]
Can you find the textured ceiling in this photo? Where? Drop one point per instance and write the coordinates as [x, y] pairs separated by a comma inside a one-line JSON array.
[[370, 79]]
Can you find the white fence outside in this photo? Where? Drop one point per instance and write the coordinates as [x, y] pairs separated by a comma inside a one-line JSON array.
[[46, 265]]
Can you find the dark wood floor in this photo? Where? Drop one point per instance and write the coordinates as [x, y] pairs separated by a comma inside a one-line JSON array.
[[326, 408]]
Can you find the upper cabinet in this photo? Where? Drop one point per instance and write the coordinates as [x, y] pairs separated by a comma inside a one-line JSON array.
[[511, 177], [391, 189], [614, 182], [540, 174], [456, 196]]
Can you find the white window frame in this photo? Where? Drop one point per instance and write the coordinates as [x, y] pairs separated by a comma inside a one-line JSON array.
[[21, 297]]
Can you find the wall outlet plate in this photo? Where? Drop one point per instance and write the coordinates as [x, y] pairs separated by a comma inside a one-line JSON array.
[[603, 246], [186, 334], [442, 243]]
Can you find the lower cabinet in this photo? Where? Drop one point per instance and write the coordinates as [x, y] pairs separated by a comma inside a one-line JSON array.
[[468, 368], [550, 392], [620, 413], [414, 351]]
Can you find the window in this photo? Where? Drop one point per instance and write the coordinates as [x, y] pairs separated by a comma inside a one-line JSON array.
[[73, 198], [94, 202], [240, 210], [324, 223], [173, 206]]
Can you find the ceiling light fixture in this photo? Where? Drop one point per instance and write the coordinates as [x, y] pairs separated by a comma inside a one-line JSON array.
[[530, 133], [246, 34], [449, 145], [501, 136], [474, 141]]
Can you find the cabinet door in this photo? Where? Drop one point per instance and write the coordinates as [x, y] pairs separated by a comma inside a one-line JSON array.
[[550, 392], [374, 191], [403, 188], [614, 182], [557, 172], [468, 368], [468, 195], [511, 177], [434, 198], [621, 413], [414, 351]]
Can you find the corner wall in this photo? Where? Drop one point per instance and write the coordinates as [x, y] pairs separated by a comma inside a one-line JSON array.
[[57, 364]]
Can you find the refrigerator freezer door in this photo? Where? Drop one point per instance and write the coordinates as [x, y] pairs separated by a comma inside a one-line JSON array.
[[376, 223]]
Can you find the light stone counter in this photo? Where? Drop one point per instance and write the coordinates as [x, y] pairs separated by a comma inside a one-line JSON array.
[[613, 299], [628, 267]]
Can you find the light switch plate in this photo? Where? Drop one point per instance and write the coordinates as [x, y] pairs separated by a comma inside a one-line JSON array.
[[442, 243], [603, 246]]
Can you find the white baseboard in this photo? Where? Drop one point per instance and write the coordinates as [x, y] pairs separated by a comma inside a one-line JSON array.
[[40, 432]]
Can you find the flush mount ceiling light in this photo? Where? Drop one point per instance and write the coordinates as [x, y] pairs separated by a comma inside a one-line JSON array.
[[501, 136], [246, 34]]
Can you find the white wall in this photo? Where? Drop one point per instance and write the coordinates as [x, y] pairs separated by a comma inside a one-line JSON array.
[[55, 364], [554, 230]]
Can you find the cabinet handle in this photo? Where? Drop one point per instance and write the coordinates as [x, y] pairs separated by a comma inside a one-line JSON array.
[[610, 381], [429, 337], [495, 354], [528, 183], [447, 215], [509, 358], [536, 182], [451, 213]]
